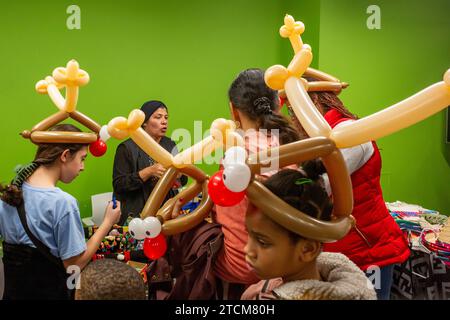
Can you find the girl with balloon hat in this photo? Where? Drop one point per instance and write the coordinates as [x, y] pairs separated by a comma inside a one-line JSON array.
[[376, 240], [40, 224], [254, 108], [291, 265]]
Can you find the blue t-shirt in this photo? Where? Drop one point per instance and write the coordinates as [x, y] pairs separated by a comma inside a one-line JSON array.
[[52, 216]]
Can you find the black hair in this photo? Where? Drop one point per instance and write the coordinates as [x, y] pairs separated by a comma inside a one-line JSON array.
[[46, 154], [109, 279], [250, 94], [303, 191]]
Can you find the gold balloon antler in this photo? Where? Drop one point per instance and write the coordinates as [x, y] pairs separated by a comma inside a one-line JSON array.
[[394, 118], [401, 115], [222, 133], [121, 128], [71, 77], [293, 30]]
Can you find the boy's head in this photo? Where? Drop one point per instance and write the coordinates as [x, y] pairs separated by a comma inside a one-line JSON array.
[[273, 251], [109, 279]]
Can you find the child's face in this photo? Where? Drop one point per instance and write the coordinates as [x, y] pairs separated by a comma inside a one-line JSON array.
[[73, 165], [269, 251]]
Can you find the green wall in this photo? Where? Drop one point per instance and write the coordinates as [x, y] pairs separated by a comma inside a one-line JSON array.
[[410, 52], [187, 53], [184, 53]]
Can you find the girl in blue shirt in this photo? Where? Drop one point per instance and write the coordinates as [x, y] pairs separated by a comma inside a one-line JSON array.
[[53, 217]]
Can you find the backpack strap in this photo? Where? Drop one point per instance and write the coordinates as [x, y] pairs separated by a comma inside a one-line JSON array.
[[39, 245]]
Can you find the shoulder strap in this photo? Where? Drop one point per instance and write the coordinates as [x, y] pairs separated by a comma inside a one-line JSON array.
[[39, 245]]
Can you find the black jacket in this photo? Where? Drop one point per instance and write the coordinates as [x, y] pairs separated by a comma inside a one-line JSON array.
[[128, 187]]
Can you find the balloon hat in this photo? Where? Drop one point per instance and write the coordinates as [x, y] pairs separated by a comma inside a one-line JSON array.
[[156, 222], [222, 134], [236, 163], [392, 119], [71, 77], [323, 142]]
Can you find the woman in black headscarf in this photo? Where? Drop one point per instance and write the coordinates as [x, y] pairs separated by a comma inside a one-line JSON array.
[[135, 173]]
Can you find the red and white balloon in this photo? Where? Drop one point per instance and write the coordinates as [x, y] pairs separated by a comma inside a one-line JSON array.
[[155, 244], [227, 187]]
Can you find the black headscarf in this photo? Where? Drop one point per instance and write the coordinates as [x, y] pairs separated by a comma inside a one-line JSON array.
[[150, 107]]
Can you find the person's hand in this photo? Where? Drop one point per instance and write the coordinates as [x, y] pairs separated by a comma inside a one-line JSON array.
[[177, 208], [112, 216], [157, 170]]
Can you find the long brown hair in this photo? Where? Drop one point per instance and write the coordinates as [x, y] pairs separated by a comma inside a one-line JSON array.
[[46, 154], [249, 94], [327, 100]]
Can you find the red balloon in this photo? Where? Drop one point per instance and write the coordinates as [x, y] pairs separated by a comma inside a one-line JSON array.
[[155, 248], [220, 194], [98, 148]]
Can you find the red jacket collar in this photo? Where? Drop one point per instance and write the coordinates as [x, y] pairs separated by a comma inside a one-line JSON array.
[[333, 117]]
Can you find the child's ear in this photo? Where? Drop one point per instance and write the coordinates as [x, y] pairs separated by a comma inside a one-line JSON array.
[[308, 249], [234, 112], [64, 157]]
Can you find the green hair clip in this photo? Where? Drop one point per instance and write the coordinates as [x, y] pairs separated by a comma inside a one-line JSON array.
[[23, 172], [301, 181]]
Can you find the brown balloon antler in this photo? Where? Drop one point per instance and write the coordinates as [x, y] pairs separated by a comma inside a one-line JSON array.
[[71, 77], [291, 218]]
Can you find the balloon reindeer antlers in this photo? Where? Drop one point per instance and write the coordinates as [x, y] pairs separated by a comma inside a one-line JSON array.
[[401, 115], [223, 134], [71, 77], [300, 64], [234, 178]]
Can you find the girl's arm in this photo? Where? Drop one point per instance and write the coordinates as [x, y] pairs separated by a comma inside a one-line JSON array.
[[112, 216]]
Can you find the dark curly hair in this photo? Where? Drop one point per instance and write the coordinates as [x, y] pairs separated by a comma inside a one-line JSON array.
[[250, 94], [302, 191]]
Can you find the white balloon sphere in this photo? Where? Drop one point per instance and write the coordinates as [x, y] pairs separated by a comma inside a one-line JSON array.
[[136, 229], [234, 155], [152, 227], [104, 135], [236, 177]]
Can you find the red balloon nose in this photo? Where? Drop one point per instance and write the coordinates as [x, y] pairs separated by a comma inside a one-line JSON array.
[[98, 148], [220, 194]]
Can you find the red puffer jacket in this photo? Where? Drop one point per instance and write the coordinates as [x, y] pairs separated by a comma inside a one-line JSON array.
[[376, 239]]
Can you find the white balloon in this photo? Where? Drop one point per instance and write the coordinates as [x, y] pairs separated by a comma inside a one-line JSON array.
[[236, 177], [104, 135], [136, 229], [234, 155], [152, 227]]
